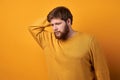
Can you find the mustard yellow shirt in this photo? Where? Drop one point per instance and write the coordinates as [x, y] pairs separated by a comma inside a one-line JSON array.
[[77, 58]]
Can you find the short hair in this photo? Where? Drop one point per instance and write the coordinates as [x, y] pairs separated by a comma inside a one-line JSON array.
[[60, 12]]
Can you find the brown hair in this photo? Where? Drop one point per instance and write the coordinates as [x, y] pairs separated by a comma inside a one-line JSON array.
[[60, 12]]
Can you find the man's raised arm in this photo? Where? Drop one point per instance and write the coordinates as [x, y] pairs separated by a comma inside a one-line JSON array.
[[38, 26], [37, 30]]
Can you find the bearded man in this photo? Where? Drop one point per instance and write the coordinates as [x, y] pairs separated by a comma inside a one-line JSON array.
[[70, 55]]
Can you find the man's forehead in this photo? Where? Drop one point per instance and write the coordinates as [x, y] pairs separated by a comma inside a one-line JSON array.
[[55, 20]]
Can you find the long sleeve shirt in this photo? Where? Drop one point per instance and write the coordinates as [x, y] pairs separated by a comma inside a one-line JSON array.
[[77, 58]]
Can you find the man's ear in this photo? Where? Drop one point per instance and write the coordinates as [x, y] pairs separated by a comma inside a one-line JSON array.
[[69, 21]]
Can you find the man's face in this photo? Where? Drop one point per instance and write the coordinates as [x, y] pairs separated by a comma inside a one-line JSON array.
[[60, 28]]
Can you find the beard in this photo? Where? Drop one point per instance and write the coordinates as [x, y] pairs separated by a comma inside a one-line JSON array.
[[62, 35]]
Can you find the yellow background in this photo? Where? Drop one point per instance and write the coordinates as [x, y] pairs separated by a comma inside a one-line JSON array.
[[21, 58]]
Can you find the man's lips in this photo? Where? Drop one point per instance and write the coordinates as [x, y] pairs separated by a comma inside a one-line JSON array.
[[57, 32]]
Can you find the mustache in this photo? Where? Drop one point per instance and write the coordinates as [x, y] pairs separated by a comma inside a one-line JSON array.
[[57, 31]]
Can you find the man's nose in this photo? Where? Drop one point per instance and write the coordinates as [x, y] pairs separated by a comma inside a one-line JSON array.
[[55, 28]]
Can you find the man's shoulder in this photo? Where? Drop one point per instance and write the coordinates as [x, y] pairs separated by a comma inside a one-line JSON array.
[[85, 35]]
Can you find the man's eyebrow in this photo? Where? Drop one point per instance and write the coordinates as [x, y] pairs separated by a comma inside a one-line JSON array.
[[55, 23], [51, 24], [58, 22]]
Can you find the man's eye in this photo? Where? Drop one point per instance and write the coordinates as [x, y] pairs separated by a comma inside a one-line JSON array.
[[58, 23]]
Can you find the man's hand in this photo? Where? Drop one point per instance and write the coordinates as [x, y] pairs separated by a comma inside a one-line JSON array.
[[41, 23]]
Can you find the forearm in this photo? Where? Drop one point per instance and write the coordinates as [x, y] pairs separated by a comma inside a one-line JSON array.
[[38, 26]]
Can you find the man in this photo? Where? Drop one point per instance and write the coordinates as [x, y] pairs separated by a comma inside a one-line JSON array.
[[70, 55]]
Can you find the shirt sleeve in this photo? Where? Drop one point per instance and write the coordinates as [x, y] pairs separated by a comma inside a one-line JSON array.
[[99, 62], [38, 31]]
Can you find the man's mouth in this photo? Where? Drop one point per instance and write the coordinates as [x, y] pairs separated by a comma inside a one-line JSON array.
[[57, 32]]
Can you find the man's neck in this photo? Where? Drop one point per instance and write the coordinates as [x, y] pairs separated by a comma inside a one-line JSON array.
[[71, 33]]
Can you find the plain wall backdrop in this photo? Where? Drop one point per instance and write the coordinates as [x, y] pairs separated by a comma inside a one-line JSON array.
[[21, 58]]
